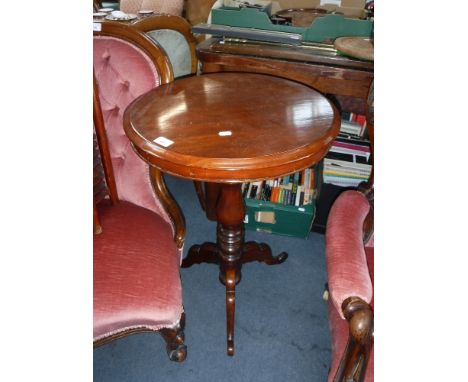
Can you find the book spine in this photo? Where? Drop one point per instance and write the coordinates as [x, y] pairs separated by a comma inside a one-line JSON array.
[[253, 191]]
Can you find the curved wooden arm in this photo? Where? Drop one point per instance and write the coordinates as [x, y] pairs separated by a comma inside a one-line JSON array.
[[169, 204], [360, 318], [368, 225]]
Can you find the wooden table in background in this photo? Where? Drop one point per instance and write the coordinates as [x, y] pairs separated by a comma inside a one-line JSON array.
[[344, 80], [226, 129]]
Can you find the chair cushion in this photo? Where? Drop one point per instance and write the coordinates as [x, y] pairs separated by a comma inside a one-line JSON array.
[[136, 271]]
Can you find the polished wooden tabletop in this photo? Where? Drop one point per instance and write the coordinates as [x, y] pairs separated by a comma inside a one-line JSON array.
[[231, 127]]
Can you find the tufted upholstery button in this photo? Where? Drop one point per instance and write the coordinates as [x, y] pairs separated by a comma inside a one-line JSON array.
[[106, 55], [126, 84]]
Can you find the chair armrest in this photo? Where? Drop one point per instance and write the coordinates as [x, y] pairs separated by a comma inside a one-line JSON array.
[[170, 205], [353, 364], [348, 274]]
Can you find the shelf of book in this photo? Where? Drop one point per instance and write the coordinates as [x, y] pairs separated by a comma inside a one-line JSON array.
[[283, 206], [346, 165]]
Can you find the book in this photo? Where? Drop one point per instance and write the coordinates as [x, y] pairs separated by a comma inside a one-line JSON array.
[[351, 146], [295, 189], [253, 191], [345, 164], [347, 157], [337, 149], [245, 189]]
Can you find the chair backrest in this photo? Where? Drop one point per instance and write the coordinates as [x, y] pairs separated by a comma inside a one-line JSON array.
[[127, 64], [173, 34], [171, 7]]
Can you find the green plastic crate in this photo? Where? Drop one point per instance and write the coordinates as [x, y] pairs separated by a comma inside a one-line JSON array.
[[279, 219]]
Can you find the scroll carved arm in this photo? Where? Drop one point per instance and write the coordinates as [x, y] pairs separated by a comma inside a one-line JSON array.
[[169, 204], [360, 318]]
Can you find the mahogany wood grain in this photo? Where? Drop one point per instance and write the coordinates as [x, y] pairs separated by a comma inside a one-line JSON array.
[[169, 204], [320, 66], [360, 318], [272, 127], [277, 127], [345, 81]]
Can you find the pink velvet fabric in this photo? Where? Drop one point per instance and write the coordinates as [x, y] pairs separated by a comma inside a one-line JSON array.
[[346, 259], [171, 7], [136, 271], [123, 73], [350, 267]]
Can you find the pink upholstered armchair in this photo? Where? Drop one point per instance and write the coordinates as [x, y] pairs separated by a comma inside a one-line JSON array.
[[350, 266], [140, 229]]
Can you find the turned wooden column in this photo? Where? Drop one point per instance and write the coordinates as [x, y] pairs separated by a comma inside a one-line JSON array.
[[230, 213]]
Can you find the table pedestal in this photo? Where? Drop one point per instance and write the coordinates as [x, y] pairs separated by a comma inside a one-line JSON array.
[[230, 251]]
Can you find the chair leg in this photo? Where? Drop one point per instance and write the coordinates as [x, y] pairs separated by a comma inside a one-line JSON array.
[[175, 347]]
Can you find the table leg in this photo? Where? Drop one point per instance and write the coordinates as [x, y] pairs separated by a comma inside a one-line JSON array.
[[229, 251], [261, 252], [230, 212], [197, 254]]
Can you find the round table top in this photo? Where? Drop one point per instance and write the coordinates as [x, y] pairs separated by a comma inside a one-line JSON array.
[[231, 127]]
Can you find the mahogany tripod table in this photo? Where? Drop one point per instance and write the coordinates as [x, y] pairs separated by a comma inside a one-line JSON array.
[[226, 129]]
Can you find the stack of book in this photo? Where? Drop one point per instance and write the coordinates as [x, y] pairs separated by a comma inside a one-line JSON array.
[[296, 189], [348, 162], [354, 124]]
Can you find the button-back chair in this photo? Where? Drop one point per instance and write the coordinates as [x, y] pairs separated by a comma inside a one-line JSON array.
[[137, 253]]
